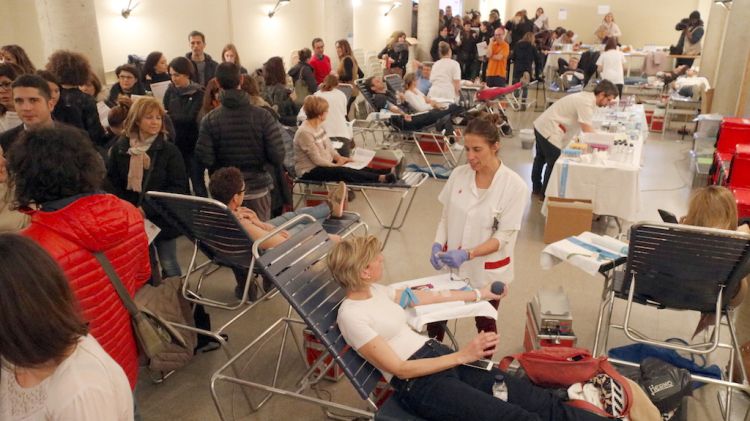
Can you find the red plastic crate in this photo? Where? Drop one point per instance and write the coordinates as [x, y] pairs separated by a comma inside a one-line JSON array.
[[314, 349], [733, 131], [739, 172]]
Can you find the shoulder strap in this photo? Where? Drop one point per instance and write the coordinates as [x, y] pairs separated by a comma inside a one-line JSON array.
[[117, 283]]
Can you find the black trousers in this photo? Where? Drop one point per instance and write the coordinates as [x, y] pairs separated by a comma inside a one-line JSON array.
[[365, 175], [546, 154]]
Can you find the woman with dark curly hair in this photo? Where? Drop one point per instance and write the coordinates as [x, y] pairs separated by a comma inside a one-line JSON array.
[[52, 367], [58, 172], [72, 70], [15, 54], [277, 93]]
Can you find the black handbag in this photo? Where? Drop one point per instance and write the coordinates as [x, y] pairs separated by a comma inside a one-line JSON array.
[[664, 383]]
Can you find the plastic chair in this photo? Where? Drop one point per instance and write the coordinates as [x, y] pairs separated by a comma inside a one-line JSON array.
[[682, 267]]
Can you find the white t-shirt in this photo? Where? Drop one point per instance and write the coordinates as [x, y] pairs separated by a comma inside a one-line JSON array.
[[9, 121], [360, 321], [416, 100], [612, 62], [335, 124], [444, 72], [88, 385], [568, 112]]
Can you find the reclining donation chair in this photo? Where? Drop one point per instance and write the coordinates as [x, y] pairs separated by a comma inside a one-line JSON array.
[[682, 267], [215, 231], [297, 269], [426, 140]]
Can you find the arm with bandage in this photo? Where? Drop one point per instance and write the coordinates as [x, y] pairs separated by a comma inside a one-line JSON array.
[[408, 297]]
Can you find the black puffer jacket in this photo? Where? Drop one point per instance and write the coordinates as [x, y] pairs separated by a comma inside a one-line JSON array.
[[182, 105], [167, 174], [241, 135]]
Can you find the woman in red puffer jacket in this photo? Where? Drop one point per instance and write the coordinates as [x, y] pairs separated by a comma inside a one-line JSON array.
[[58, 172]]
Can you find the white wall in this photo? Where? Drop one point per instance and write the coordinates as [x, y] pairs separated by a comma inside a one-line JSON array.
[[159, 26], [19, 26], [372, 29]]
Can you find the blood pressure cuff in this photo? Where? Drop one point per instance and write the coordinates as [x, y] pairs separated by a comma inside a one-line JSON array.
[[664, 383]]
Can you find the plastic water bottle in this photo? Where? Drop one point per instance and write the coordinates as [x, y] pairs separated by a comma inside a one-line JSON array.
[[500, 389]]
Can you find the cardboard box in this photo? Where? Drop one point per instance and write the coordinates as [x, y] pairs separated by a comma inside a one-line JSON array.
[[566, 217]]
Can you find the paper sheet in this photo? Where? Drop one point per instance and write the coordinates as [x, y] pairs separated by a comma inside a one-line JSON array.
[[360, 158], [562, 14], [159, 89], [151, 230], [482, 49], [103, 111], [418, 319]]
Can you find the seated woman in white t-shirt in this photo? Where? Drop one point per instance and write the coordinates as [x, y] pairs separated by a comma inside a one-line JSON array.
[[429, 378], [51, 368], [445, 76], [611, 64], [418, 102]]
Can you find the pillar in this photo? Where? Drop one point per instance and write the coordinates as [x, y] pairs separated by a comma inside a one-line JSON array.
[[731, 66], [71, 25], [713, 42], [427, 27], [339, 24]]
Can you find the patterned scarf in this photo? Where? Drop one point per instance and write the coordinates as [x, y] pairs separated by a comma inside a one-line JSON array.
[[139, 160]]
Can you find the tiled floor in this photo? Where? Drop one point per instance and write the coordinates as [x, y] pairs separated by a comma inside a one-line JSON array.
[[665, 181]]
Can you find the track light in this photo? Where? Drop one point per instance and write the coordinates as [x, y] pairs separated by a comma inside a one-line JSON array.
[[126, 11], [395, 5], [279, 4]]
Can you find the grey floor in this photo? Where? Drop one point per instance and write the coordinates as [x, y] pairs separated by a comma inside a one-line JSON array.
[[665, 183]]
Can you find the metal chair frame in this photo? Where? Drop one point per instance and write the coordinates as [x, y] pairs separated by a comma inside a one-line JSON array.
[[694, 257], [296, 268], [411, 182]]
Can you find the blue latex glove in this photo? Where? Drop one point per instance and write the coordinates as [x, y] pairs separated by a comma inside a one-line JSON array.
[[454, 258], [434, 259]]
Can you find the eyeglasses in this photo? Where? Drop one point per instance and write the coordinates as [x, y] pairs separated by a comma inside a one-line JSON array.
[[5, 85]]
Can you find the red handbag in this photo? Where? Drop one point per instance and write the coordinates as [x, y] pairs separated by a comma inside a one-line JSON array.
[[558, 367]]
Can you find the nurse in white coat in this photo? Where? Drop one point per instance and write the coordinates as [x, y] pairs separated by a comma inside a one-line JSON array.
[[483, 206]]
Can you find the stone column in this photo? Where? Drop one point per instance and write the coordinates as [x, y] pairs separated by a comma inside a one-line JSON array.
[[731, 66], [427, 27], [71, 25], [339, 24], [713, 41]]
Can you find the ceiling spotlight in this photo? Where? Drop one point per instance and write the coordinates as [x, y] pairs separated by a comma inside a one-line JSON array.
[[395, 5], [126, 11], [279, 4]]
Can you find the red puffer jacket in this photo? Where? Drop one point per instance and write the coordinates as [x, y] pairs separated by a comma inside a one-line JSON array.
[[99, 222]]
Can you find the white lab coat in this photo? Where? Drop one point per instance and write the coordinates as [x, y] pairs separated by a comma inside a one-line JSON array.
[[468, 219]]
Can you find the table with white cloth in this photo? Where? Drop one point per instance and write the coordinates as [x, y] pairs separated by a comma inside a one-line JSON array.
[[609, 180]]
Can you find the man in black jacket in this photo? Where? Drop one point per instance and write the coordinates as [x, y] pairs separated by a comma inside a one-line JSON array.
[[204, 65], [32, 97], [237, 134]]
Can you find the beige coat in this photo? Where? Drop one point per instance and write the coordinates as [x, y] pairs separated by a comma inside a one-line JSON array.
[[10, 220]]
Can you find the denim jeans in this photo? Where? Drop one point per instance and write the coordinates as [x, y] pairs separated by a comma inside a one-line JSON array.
[[546, 154], [167, 252], [465, 393], [319, 212]]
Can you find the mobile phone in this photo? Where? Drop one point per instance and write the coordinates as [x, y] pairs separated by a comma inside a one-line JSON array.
[[668, 217], [485, 365]]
